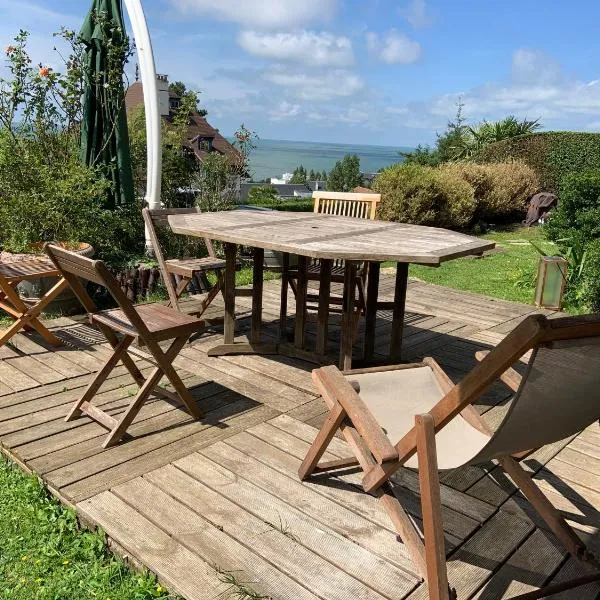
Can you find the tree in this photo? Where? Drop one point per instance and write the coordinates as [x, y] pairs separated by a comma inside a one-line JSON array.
[[299, 175], [488, 132], [449, 145], [263, 194], [189, 99], [312, 175], [345, 175]]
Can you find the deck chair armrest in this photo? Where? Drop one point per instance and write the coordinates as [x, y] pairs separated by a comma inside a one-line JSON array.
[[336, 389], [510, 377]]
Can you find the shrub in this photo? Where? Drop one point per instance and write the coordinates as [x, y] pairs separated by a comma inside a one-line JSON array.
[[577, 218], [590, 290], [423, 195], [552, 154], [501, 190]]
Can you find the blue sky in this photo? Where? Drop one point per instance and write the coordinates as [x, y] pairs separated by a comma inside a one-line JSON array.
[[385, 72]]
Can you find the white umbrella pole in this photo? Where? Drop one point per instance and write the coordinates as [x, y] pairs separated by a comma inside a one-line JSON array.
[[141, 35]]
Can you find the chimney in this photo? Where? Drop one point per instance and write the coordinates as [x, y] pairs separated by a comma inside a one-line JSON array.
[[162, 82]]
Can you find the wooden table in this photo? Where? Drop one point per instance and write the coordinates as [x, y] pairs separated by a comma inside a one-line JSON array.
[[327, 238]]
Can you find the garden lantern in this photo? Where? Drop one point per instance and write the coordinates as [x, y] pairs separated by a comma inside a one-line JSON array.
[[551, 278]]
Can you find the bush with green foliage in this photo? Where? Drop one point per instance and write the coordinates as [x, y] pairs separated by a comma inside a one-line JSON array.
[[261, 194], [46, 193], [552, 154], [577, 217], [501, 190], [345, 175], [590, 289], [424, 195]]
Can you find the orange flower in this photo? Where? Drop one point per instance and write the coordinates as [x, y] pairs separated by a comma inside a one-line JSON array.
[[44, 71], [9, 49]]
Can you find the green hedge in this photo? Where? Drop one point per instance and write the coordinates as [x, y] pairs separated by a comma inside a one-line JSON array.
[[552, 154]]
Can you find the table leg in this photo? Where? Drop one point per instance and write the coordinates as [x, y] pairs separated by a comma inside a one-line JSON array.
[[371, 309], [230, 346], [399, 309], [323, 312], [299, 333], [347, 332], [285, 281], [257, 294], [229, 323]]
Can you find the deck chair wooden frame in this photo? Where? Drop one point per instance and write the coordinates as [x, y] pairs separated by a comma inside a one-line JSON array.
[[177, 274], [27, 317], [378, 458], [146, 325]]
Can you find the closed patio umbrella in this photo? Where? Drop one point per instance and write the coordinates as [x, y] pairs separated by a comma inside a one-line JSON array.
[[104, 134]]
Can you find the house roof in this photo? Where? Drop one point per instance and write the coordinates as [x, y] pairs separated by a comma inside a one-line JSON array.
[[197, 127]]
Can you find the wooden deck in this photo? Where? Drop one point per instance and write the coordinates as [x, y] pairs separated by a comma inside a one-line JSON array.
[[202, 503]]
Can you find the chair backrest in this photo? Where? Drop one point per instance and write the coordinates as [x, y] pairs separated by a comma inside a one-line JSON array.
[[347, 204], [559, 396], [73, 267], [160, 218]]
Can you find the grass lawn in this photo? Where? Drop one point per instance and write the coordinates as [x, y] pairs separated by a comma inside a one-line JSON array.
[[45, 555], [509, 275]]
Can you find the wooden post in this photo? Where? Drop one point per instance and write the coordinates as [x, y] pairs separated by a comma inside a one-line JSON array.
[[431, 506], [285, 282], [347, 332], [371, 311], [399, 308], [229, 322], [257, 294], [299, 333], [323, 312]]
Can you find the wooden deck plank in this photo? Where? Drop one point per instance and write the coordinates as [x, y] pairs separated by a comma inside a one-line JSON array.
[[309, 500], [338, 550], [209, 542], [162, 455], [234, 474], [161, 553]]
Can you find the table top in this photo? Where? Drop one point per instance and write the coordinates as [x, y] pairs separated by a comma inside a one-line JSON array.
[[328, 236]]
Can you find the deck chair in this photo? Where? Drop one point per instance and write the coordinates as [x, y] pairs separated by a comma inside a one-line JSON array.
[[27, 317], [145, 324], [412, 415], [178, 273]]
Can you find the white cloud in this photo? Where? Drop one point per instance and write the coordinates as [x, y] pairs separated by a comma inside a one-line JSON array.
[[393, 48], [262, 14], [285, 110], [306, 47], [316, 86], [533, 66], [416, 14]]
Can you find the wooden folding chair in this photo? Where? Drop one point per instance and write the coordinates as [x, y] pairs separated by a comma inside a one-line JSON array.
[[413, 415], [344, 204], [27, 317], [178, 273], [145, 324]]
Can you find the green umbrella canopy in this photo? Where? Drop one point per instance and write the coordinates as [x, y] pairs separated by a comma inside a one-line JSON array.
[[104, 134]]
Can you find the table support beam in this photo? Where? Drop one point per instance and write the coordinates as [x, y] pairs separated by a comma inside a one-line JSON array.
[[347, 332], [302, 287], [399, 310], [257, 294], [285, 282], [230, 266], [323, 311], [374, 269]]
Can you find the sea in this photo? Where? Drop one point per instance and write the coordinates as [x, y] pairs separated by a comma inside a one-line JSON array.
[[272, 158]]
